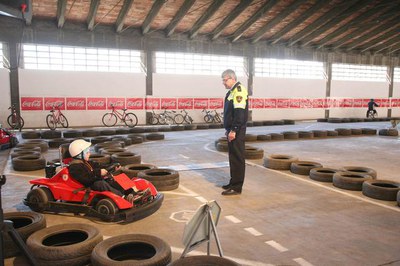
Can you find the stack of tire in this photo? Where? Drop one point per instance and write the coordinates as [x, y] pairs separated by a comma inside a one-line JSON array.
[[162, 179], [27, 155]]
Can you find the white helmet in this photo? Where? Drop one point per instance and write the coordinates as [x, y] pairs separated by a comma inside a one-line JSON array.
[[78, 146]]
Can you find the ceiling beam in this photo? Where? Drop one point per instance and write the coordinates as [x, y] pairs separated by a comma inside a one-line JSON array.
[[119, 24], [310, 28], [178, 17], [206, 16], [394, 49], [348, 26], [388, 44], [94, 6], [18, 12], [61, 8], [158, 4], [259, 14], [278, 36], [270, 24], [336, 20], [384, 39], [232, 15]]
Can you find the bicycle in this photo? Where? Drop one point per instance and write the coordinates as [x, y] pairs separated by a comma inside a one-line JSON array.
[[212, 118], [167, 117], [56, 117], [372, 113], [179, 118], [111, 118], [153, 119], [14, 120]]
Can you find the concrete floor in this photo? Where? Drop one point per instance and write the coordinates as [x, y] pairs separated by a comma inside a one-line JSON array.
[[280, 218]]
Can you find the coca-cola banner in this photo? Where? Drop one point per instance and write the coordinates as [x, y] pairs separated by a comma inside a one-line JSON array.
[[152, 103], [76, 103], [358, 103], [135, 103], [54, 102], [200, 103], [293, 103], [383, 102], [168, 103], [347, 103], [256, 103], [118, 103], [318, 103], [31, 103], [306, 103], [185, 103], [96, 103], [216, 103], [269, 103], [282, 103]]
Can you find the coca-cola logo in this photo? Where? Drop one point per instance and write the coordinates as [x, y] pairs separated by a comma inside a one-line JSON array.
[[168, 104], [35, 103], [99, 103], [135, 104], [77, 103], [53, 103]]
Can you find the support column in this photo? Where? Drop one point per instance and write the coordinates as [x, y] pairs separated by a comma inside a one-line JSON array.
[[328, 72], [390, 74], [15, 50]]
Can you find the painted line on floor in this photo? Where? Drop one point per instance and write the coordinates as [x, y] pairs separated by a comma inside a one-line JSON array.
[[183, 156], [253, 231], [233, 219], [201, 199], [302, 262], [276, 246], [237, 260], [397, 209]]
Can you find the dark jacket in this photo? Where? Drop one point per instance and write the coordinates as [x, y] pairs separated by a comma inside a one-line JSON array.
[[236, 108], [371, 105], [85, 172]]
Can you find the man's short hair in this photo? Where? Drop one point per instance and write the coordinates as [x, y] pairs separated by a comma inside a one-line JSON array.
[[230, 73]]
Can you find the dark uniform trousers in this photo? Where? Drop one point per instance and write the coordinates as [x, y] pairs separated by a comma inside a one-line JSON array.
[[237, 163]]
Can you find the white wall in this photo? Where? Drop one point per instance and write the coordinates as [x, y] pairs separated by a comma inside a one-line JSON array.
[[5, 99], [396, 95]]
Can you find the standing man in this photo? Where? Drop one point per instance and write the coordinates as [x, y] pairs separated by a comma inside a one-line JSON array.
[[235, 118]]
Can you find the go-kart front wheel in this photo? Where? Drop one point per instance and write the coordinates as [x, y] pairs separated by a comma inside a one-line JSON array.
[[37, 197], [106, 207]]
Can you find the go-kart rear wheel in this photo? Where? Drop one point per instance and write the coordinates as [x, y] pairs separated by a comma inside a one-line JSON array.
[[41, 195], [106, 207]]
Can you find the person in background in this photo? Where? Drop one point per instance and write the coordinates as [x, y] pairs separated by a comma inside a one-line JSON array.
[[235, 119], [371, 107]]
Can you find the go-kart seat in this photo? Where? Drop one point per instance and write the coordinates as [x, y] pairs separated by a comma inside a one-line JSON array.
[[65, 156]]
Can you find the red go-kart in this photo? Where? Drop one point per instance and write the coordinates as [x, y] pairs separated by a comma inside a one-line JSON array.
[[62, 194], [7, 139]]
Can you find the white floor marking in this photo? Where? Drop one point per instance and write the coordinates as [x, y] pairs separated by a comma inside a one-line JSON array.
[[302, 262], [183, 156], [328, 188], [192, 193], [253, 231], [201, 199], [276, 246], [233, 219], [237, 260]]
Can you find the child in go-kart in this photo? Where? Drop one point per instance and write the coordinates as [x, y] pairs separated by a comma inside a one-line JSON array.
[[89, 173]]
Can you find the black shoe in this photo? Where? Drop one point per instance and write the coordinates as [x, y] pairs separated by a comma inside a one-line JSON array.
[[225, 187], [230, 192]]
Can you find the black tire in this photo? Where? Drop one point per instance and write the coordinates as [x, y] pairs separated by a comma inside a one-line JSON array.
[[90, 133], [43, 145], [106, 206], [25, 223], [28, 163], [279, 161], [50, 121], [349, 181], [30, 135], [320, 133], [100, 158], [343, 131], [153, 120], [63, 121], [22, 153], [253, 153], [203, 260], [111, 150], [18, 149], [109, 119], [222, 146], [15, 123], [356, 131], [277, 136], [64, 241], [107, 132], [381, 189], [332, 133], [131, 120], [132, 249], [125, 158], [303, 167], [162, 179], [50, 134], [368, 131], [322, 174], [40, 195], [250, 137], [265, 137], [155, 136], [122, 131], [208, 118], [398, 198], [290, 135], [360, 170], [306, 134], [55, 143], [203, 126], [132, 170]]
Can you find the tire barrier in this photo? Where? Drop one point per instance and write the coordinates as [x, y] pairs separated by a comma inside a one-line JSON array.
[[28, 163], [368, 131], [356, 131], [90, 133], [320, 133], [155, 136], [25, 152], [111, 151], [100, 158], [360, 170], [122, 131], [132, 170], [398, 198], [136, 130], [107, 132], [25, 223], [99, 139], [127, 141], [222, 146], [131, 249], [253, 153], [37, 149], [55, 143], [250, 137], [303, 167], [204, 260], [389, 132], [343, 131], [203, 126], [265, 137], [44, 146], [162, 179], [30, 135], [381, 189], [350, 181], [64, 244], [279, 161], [72, 134], [277, 136], [107, 144], [290, 135], [323, 174], [332, 133], [136, 139], [124, 158], [306, 135], [50, 134]]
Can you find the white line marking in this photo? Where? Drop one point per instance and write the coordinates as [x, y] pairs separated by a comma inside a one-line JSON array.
[[201, 199], [253, 231], [302, 262], [192, 193], [328, 188], [183, 156], [276, 246], [237, 260], [233, 219]]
